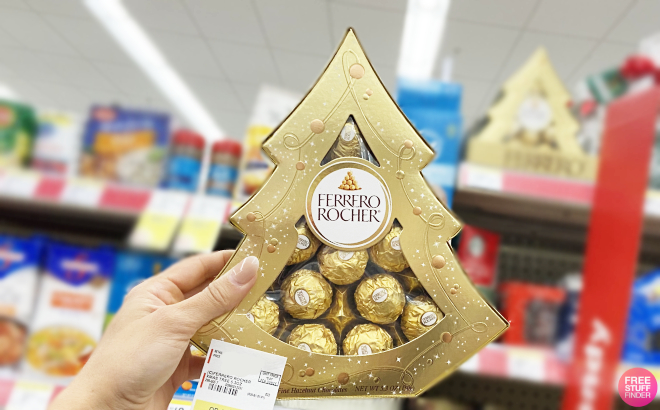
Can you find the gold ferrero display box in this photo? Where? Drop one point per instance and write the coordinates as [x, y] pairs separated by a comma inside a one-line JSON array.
[[358, 286], [530, 126]]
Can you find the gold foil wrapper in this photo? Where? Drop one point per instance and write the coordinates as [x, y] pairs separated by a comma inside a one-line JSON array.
[[387, 253], [265, 314], [419, 316], [380, 299], [341, 267], [313, 338], [348, 143], [306, 294], [366, 339], [305, 247]]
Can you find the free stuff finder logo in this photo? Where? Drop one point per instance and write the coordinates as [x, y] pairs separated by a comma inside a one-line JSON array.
[[637, 387]]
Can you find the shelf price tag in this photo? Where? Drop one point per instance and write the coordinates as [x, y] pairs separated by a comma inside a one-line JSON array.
[[238, 378], [179, 405], [157, 225], [29, 395], [18, 183], [201, 225], [83, 192]]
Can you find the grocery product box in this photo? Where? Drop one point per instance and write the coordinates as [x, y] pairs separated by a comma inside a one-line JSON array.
[[69, 317], [358, 285], [20, 260]]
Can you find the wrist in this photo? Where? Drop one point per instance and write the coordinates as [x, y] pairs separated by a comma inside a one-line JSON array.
[[80, 396]]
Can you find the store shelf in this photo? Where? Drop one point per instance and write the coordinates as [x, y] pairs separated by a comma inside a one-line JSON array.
[[526, 204], [529, 364]]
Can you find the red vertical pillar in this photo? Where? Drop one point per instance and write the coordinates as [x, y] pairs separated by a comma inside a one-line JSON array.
[[612, 250]]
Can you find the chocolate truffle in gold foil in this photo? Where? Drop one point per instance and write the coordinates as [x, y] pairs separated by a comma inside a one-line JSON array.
[[419, 316], [313, 338], [305, 247], [366, 339], [265, 314], [341, 267], [380, 298], [387, 253], [348, 142], [306, 294]]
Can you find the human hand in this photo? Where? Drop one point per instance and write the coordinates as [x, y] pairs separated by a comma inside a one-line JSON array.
[[144, 355]]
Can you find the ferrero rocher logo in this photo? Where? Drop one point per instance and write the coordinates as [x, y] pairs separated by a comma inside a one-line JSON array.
[[349, 183], [333, 211]]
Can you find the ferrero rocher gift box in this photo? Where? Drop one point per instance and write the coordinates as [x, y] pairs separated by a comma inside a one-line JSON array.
[[530, 127], [358, 286]]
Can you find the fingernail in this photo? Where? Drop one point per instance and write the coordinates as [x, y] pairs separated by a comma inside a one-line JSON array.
[[245, 271]]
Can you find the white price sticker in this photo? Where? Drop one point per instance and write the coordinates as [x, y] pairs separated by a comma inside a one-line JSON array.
[[239, 378], [21, 184], [29, 395], [82, 192]]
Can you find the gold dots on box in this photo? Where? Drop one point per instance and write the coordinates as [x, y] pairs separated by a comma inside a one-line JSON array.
[[356, 71], [317, 126], [274, 241], [417, 210], [300, 165], [408, 144], [400, 174], [438, 261], [369, 92], [365, 96], [446, 337], [376, 379], [251, 217], [301, 373]]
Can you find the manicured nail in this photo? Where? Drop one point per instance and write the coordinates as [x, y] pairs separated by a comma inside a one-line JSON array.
[[245, 271]]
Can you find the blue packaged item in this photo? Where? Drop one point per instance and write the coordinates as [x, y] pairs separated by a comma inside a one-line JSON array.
[[124, 145], [131, 269], [433, 107], [184, 165], [184, 395], [19, 276], [223, 171], [642, 341], [68, 321]]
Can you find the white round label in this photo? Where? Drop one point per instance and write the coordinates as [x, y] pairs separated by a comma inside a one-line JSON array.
[[429, 319], [395, 244], [345, 255], [349, 219], [250, 316], [305, 347], [379, 295], [302, 297], [348, 132], [364, 349], [303, 242], [534, 114]]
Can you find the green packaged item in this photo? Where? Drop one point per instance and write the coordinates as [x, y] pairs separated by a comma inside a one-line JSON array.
[[18, 127]]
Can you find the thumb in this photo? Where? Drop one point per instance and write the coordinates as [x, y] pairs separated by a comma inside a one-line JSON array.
[[221, 296]]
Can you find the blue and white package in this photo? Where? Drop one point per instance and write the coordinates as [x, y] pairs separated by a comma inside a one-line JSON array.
[[433, 107], [19, 276], [70, 313], [125, 145], [642, 342], [131, 269]]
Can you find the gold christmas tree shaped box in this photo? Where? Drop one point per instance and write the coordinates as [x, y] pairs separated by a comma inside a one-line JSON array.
[[530, 127], [358, 286]]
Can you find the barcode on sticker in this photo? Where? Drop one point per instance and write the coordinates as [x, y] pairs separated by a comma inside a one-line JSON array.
[[223, 388]]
